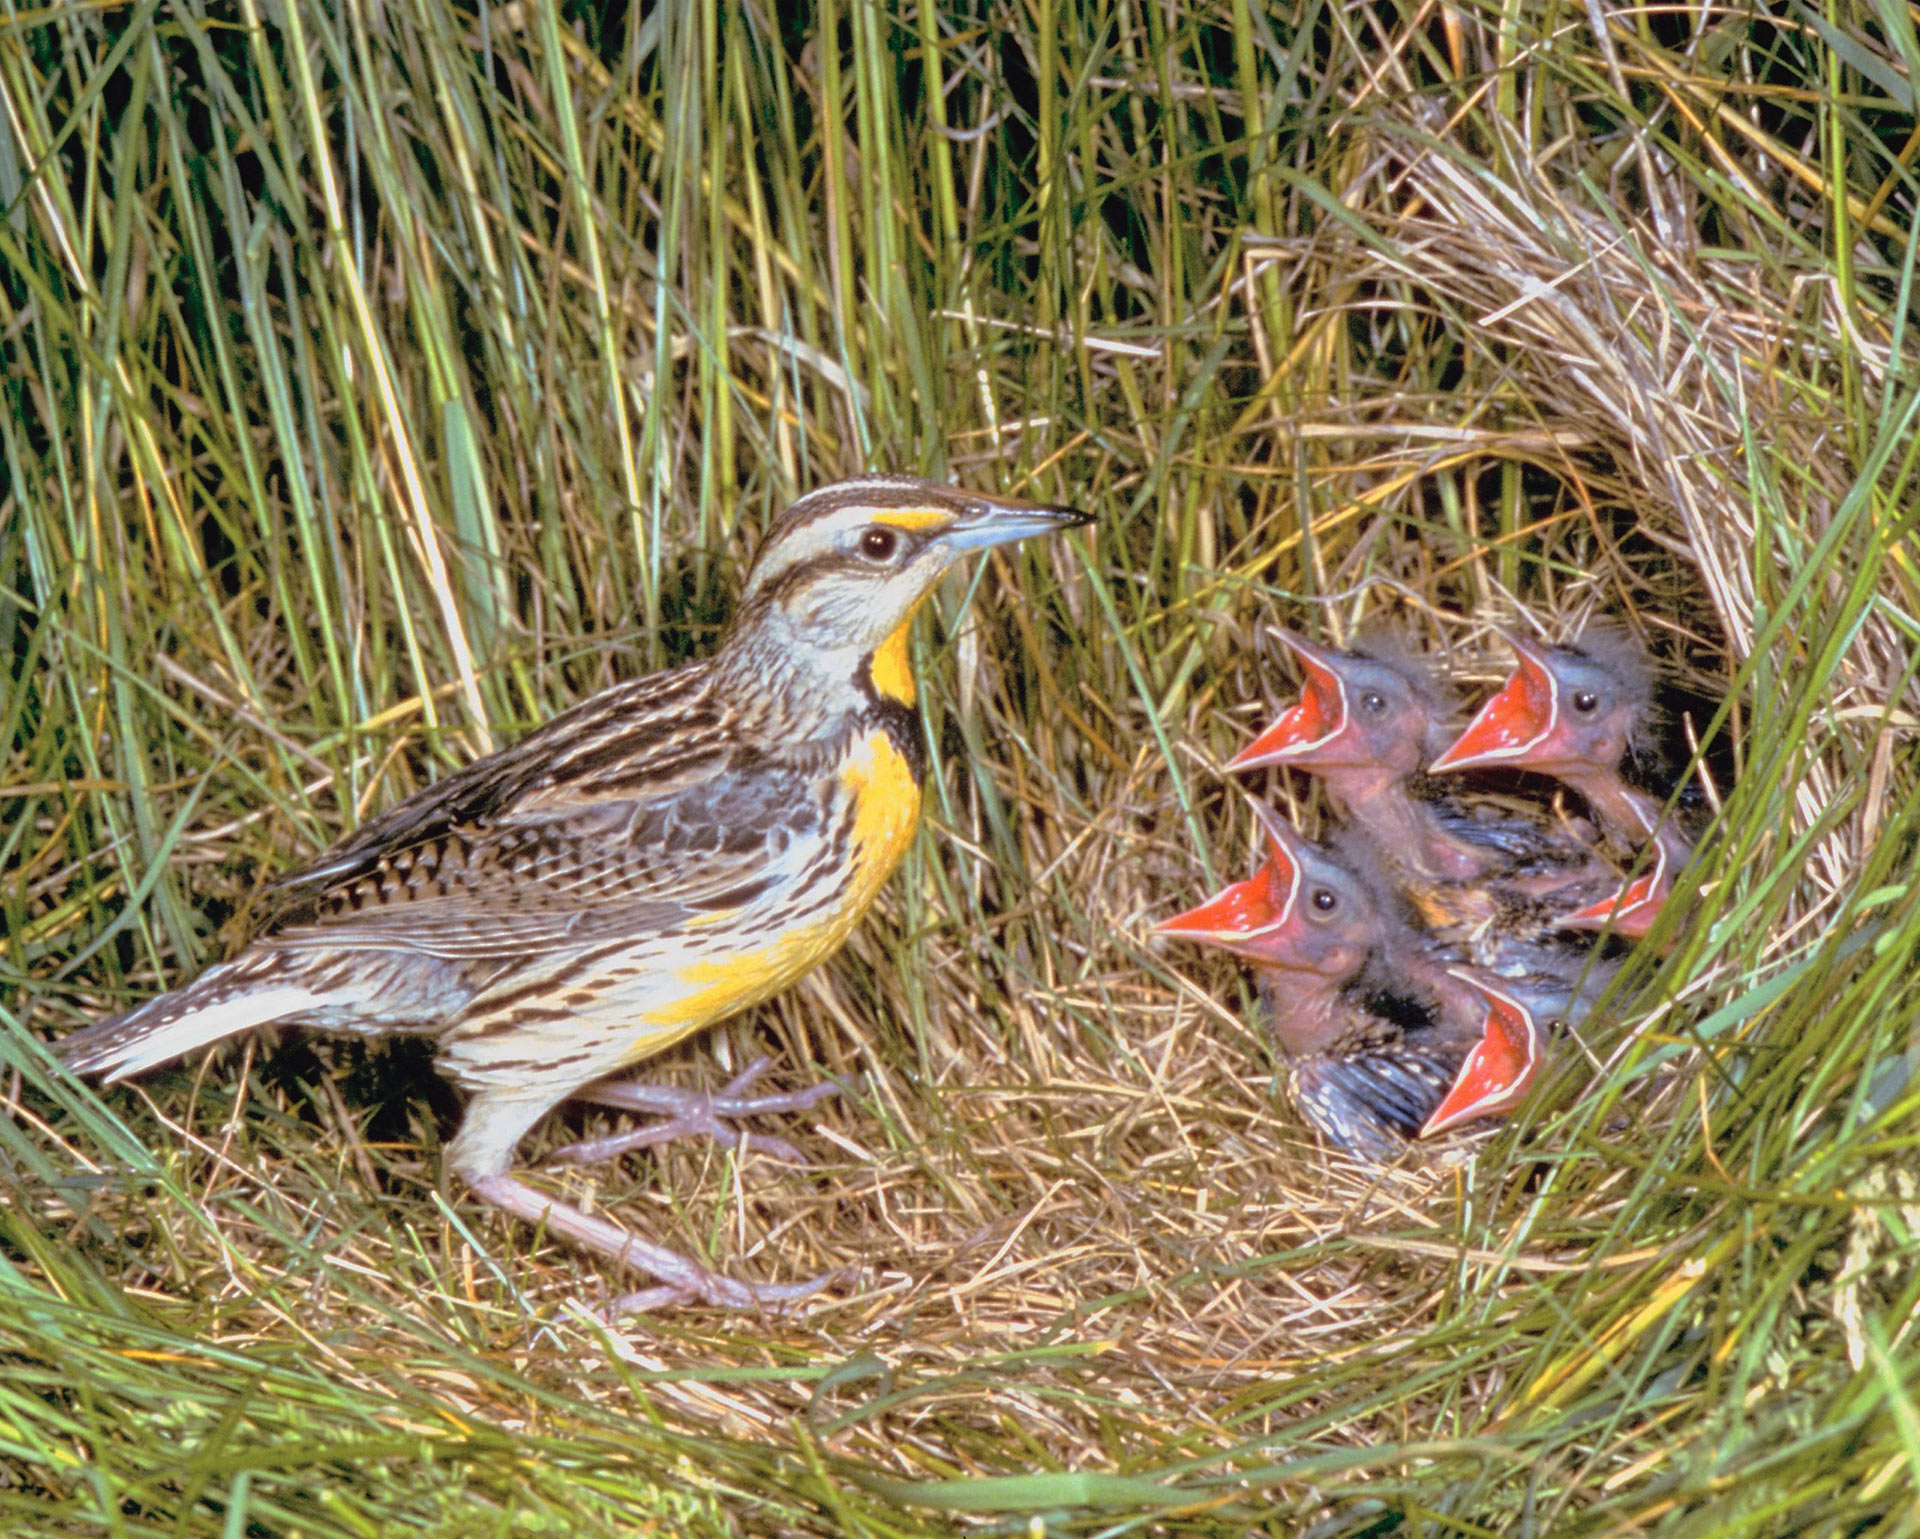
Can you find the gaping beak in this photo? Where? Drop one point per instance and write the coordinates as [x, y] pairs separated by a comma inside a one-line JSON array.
[[1512, 726], [985, 521], [1231, 918], [1317, 720], [1501, 1068], [1241, 915], [1631, 911]]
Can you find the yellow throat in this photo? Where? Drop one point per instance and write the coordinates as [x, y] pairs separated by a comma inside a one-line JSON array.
[[892, 674]]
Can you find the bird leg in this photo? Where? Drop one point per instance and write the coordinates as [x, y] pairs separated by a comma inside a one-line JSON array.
[[681, 1279], [692, 1114]]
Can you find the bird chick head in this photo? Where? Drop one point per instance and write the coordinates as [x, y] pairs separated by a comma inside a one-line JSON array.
[[1302, 912], [1362, 711], [1566, 711]]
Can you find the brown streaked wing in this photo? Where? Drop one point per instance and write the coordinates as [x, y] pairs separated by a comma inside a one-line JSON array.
[[667, 725], [609, 870]]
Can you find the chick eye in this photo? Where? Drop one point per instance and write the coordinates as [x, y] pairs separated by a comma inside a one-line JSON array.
[[1372, 702], [1325, 900], [879, 544], [1585, 701]]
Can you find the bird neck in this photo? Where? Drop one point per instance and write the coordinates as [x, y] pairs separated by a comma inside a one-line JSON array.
[[1406, 831], [1624, 813], [797, 700], [1306, 1012], [768, 652], [1457, 1006], [1357, 789], [787, 688]]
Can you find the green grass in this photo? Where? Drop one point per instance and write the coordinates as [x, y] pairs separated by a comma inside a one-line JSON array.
[[373, 394]]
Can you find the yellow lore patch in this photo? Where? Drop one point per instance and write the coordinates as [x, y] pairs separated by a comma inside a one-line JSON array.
[[913, 520]]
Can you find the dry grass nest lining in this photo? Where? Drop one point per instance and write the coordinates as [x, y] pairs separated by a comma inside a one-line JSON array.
[[1094, 1159]]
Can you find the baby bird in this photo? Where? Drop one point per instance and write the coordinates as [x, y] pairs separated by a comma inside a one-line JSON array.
[[1374, 1032], [1366, 723], [1575, 713]]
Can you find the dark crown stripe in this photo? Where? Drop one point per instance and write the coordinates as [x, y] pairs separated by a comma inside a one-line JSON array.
[[876, 492]]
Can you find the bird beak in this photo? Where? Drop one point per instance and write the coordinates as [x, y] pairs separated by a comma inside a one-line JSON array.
[[1501, 1068], [1317, 720], [1512, 726], [1241, 915], [1630, 912], [1230, 918], [985, 521]]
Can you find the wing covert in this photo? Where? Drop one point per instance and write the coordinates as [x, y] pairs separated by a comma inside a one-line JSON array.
[[547, 874]]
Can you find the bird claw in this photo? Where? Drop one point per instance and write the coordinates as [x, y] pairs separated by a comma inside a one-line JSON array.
[[694, 1114], [596, 1151]]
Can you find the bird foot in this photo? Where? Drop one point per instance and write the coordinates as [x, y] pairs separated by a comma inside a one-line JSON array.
[[768, 1298], [694, 1114], [678, 1279]]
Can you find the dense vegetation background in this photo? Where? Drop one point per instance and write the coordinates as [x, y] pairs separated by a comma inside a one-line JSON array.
[[382, 377]]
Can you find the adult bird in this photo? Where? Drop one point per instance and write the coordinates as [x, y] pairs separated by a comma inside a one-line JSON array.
[[1577, 713], [666, 853]]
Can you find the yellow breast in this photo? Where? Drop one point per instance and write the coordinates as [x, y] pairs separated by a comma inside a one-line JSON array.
[[886, 801], [885, 798]]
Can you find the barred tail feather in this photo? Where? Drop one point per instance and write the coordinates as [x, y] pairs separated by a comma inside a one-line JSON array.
[[217, 1005]]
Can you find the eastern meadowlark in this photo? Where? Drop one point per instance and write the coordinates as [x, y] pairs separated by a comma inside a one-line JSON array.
[[1373, 1027], [664, 854]]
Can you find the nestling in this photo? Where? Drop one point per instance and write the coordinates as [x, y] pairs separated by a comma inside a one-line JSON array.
[[1575, 713], [1373, 1028]]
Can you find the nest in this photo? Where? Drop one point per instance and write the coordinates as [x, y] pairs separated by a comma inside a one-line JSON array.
[[1060, 1142]]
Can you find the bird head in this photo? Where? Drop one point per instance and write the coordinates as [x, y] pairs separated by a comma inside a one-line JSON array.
[[844, 568], [1570, 712], [1302, 912], [1358, 714]]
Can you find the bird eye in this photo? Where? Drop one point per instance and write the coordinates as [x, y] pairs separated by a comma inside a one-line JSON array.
[[1325, 899], [1372, 702], [879, 544], [1585, 701]]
